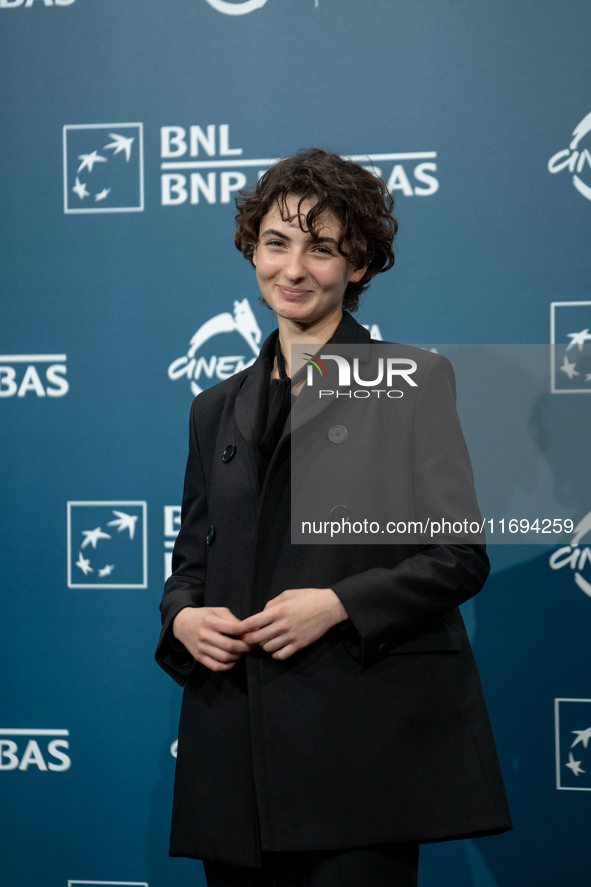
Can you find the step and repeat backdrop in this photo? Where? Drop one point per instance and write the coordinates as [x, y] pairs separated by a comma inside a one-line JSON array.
[[127, 129]]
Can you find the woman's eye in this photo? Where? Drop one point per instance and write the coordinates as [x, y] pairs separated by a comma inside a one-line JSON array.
[[323, 250]]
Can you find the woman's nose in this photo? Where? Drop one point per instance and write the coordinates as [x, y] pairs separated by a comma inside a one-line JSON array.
[[294, 267]]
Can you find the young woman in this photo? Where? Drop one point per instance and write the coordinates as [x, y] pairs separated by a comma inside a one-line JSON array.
[[332, 714]]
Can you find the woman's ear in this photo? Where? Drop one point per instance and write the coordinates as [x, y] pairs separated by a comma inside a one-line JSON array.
[[254, 255], [355, 274]]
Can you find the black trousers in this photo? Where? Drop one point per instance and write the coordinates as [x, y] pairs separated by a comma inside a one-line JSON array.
[[388, 865]]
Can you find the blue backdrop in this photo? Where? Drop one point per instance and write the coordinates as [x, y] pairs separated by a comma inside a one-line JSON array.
[[127, 128]]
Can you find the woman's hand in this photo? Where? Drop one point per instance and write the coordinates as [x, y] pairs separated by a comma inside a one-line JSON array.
[[293, 620], [207, 633]]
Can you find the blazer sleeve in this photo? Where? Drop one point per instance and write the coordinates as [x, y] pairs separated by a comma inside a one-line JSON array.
[[185, 587], [389, 606]]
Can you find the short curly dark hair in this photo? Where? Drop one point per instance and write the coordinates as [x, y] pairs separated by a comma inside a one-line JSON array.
[[356, 197]]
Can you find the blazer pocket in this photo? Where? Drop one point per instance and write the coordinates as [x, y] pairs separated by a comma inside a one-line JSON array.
[[440, 639]]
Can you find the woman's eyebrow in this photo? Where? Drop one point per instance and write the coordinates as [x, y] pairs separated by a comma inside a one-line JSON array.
[[272, 232]]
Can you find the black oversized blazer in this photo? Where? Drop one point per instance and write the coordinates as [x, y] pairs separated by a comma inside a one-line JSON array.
[[378, 732]]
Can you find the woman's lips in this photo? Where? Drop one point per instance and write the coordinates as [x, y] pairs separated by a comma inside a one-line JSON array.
[[294, 294]]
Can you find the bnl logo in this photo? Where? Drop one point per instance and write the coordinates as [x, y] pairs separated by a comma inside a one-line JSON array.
[[570, 337], [103, 168], [573, 744], [107, 545]]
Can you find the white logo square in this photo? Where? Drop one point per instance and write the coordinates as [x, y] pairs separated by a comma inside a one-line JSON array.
[[570, 348], [107, 545], [103, 168], [572, 723]]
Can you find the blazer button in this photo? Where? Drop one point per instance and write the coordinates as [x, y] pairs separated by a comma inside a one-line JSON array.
[[338, 434], [210, 535], [229, 453], [340, 512]]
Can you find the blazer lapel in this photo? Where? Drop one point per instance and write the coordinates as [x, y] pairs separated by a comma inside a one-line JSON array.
[[308, 405], [251, 401]]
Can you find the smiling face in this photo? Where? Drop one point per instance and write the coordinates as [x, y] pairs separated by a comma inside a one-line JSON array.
[[302, 277]]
